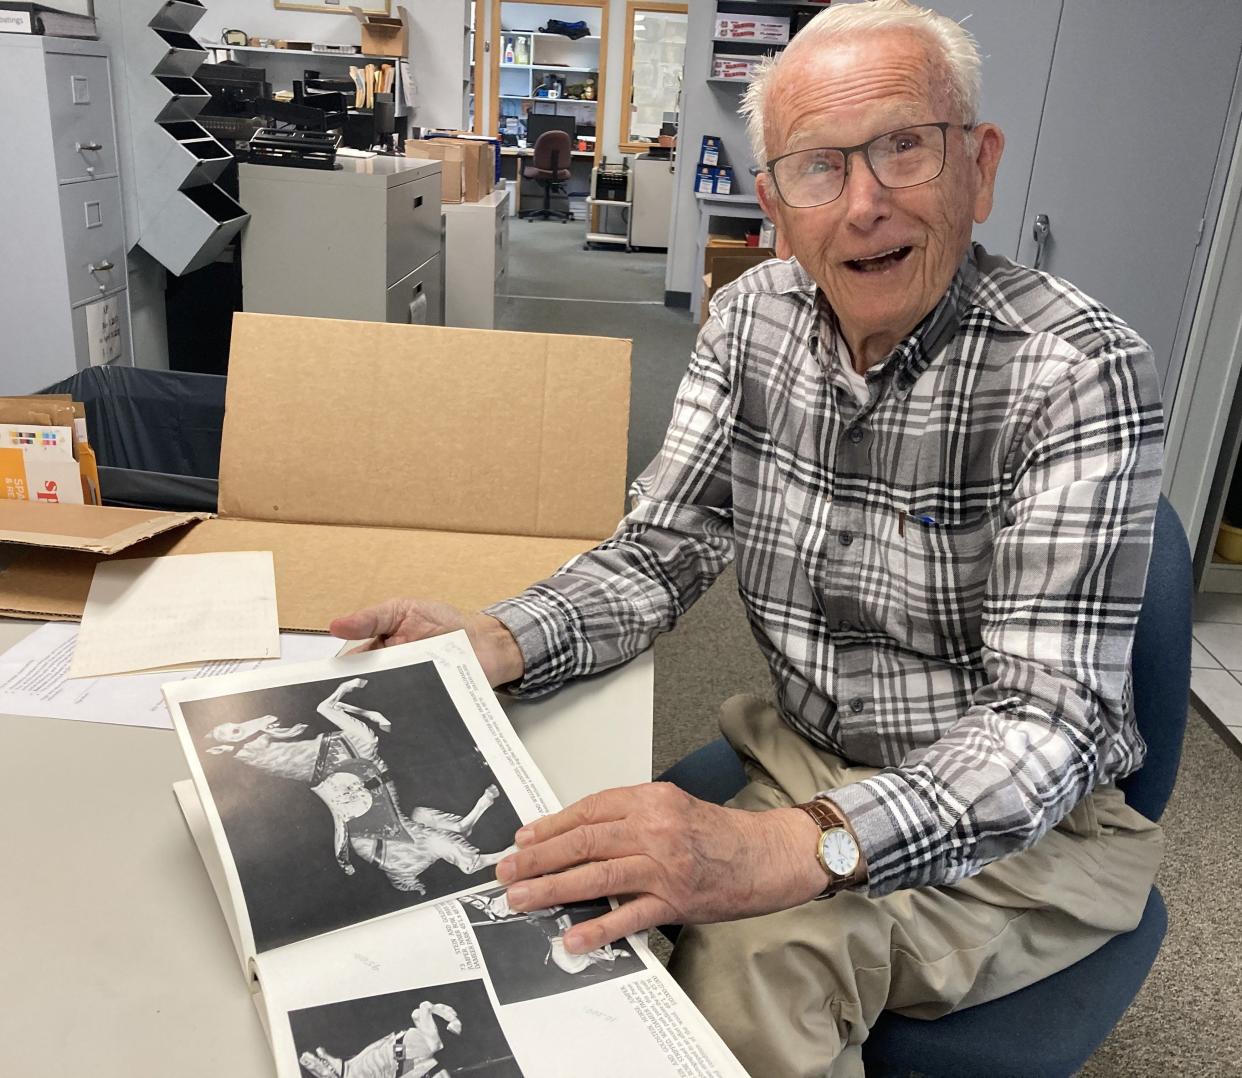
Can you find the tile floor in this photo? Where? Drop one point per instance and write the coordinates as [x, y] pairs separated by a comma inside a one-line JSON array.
[[1216, 661]]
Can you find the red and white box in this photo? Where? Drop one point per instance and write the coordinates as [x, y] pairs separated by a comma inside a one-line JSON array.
[[734, 66], [769, 28]]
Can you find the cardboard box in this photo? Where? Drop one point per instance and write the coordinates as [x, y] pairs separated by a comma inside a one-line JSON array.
[[384, 35], [469, 167], [710, 151], [713, 180], [378, 460], [725, 265], [728, 66], [735, 27]]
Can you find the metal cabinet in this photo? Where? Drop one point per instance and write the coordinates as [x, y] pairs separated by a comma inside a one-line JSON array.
[[1119, 116], [476, 259], [654, 181], [361, 241], [63, 284]]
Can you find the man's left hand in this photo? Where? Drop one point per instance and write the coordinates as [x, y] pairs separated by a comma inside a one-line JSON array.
[[676, 859]]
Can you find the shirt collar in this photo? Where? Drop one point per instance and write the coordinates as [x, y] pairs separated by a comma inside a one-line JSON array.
[[915, 352]]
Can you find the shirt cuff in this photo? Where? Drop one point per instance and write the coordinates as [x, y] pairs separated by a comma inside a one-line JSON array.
[[542, 624], [867, 806]]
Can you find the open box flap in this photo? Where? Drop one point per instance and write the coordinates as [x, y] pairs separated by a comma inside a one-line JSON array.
[[459, 430], [98, 529], [322, 571]]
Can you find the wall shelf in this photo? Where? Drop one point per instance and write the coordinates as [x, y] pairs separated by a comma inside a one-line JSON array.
[[355, 56]]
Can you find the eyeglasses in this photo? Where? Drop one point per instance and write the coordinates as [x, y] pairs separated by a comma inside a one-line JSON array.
[[906, 157]]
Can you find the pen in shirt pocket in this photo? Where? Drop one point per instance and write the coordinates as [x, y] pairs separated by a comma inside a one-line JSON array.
[[925, 519]]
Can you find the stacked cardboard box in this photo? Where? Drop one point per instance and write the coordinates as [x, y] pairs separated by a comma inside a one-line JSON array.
[[469, 166], [712, 176]]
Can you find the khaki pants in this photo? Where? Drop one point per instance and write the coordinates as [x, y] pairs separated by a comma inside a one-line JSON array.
[[794, 993]]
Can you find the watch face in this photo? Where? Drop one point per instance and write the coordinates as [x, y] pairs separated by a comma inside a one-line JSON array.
[[840, 851]]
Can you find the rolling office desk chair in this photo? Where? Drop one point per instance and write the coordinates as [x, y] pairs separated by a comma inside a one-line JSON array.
[[550, 167], [1049, 1029]]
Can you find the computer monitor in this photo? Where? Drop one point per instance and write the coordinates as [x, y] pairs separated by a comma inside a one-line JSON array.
[[539, 122], [235, 88]]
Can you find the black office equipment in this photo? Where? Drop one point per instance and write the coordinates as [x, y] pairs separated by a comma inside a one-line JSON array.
[[611, 182], [236, 90], [539, 122], [294, 148]]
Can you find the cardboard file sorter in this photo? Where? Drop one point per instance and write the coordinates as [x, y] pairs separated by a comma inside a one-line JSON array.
[[379, 460]]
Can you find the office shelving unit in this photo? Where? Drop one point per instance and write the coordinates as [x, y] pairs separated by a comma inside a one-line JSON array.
[[576, 61]]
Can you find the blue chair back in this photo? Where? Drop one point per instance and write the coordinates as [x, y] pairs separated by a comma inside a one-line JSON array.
[[1161, 664]]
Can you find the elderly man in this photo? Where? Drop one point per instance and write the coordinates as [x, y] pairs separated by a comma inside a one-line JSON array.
[[938, 473]]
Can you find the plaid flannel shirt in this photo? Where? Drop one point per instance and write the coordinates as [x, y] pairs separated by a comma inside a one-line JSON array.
[[944, 580]]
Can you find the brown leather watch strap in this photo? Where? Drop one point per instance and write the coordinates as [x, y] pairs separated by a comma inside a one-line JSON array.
[[827, 816]]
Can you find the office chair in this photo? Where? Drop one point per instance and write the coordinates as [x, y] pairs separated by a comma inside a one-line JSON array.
[[551, 168], [1051, 1028]]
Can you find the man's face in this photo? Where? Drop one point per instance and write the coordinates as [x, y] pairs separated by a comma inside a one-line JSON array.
[[843, 96]]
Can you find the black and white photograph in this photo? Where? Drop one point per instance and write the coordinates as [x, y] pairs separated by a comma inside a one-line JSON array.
[[525, 952], [437, 1032], [346, 799]]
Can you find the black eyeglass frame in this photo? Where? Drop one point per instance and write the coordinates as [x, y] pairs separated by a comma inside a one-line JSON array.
[[863, 147]]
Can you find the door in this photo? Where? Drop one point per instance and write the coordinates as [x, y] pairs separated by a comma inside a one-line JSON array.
[[1136, 109], [1016, 40]]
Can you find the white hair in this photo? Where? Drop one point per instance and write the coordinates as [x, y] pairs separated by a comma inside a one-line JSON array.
[[955, 46]]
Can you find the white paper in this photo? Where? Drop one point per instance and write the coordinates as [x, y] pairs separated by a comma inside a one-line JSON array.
[[145, 613], [209, 717], [467, 984], [34, 673], [103, 330]]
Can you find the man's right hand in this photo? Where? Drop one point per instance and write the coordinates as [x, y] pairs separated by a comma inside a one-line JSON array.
[[398, 621]]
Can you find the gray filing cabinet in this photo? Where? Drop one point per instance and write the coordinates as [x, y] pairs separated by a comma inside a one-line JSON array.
[[476, 259], [361, 241], [63, 287]]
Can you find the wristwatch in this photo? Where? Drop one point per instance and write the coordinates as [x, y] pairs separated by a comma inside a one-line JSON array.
[[837, 849]]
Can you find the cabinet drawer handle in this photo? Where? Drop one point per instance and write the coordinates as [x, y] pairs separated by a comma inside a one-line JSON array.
[[89, 146], [418, 201]]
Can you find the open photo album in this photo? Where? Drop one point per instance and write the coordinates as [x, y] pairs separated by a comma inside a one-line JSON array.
[[350, 813]]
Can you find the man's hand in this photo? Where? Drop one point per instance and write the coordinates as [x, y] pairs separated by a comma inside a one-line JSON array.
[[399, 621], [675, 859]]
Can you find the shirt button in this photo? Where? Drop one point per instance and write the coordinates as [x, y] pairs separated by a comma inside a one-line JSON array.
[[856, 705], [844, 626], [845, 538], [855, 434]]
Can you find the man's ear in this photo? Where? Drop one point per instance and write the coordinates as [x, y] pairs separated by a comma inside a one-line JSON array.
[[768, 198], [772, 205], [989, 144]]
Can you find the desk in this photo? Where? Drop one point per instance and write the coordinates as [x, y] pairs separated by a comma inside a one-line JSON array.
[[116, 956], [734, 206], [580, 164]]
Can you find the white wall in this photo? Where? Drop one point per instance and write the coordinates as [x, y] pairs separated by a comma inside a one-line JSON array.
[[260, 18]]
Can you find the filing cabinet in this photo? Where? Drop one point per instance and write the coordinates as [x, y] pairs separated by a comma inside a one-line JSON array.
[[63, 286], [476, 259], [361, 241]]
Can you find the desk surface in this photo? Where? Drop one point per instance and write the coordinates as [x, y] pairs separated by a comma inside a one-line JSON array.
[[115, 953], [528, 151]]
